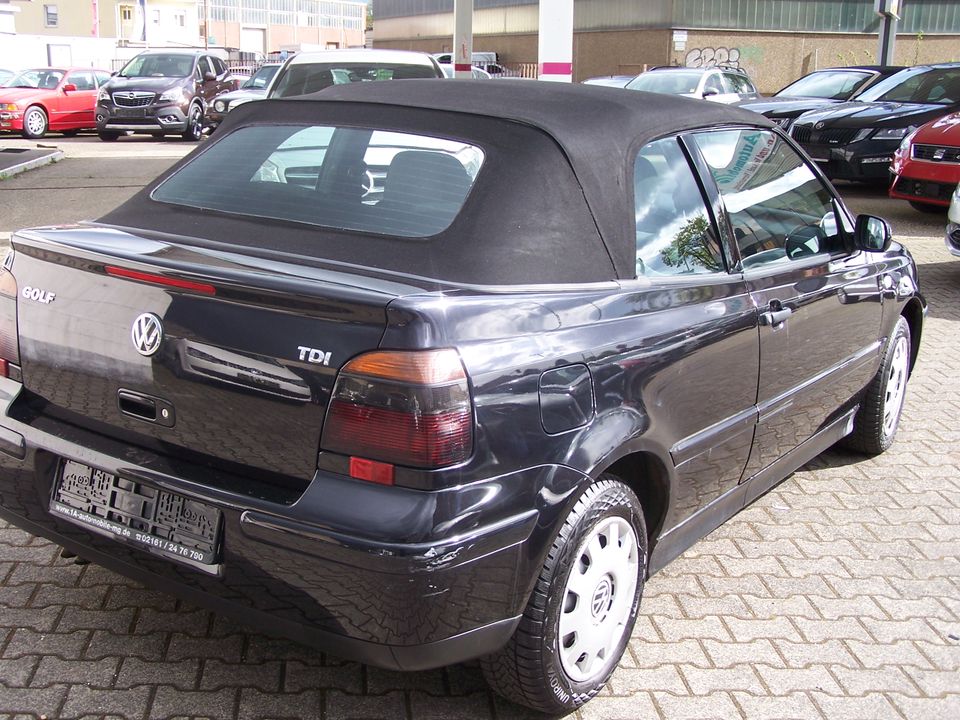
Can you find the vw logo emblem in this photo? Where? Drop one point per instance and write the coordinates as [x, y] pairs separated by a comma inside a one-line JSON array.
[[146, 334], [818, 126], [600, 602]]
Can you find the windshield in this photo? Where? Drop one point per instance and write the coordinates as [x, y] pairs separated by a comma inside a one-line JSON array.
[[46, 78], [262, 77], [828, 84], [367, 180], [158, 65], [667, 83], [313, 77], [938, 86]]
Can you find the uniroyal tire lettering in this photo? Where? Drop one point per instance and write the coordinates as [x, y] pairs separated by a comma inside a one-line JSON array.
[[42, 296]]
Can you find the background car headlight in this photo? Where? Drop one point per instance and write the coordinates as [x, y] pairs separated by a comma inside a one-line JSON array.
[[905, 145], [220, 106], [892, 133], [103, 95], [174, 95]]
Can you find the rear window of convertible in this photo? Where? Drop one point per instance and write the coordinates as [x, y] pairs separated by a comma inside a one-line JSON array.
[[348, 178]]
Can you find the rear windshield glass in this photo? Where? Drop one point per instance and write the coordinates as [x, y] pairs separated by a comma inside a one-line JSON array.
[[314, 77], [361, 179], [669, 82]]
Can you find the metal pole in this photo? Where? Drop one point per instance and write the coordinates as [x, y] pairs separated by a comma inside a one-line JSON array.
[[889, 11], [555, 41], [206, 24], [463, 38]]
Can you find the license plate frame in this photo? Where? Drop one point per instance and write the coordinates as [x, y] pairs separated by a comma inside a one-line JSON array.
[[159, 521], [130, 113]]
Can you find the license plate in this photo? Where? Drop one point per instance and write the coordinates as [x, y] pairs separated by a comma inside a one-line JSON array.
[[129, 112], [157, 520]]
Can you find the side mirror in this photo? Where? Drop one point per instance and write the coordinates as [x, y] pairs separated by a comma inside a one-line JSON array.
[[710, 92], [872, 233], [208, 76], [69, 87]]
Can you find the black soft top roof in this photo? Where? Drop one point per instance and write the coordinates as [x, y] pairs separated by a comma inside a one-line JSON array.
[[598, 128], [553, 205]]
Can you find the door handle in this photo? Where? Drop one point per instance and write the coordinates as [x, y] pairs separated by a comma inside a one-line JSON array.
[[776, 315]]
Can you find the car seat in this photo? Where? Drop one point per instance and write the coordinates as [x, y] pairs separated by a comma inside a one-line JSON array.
[[422, 193]]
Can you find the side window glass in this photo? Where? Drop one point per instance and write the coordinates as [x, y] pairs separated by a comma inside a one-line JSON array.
[[713, 83], [102, 78], [83, 80], [739, 83], [204, 66], [674, 232], [779, 210], [218, 67]]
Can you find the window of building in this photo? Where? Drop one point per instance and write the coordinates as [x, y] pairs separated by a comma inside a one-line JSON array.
[[51, 17], [126, 13], [155, 17], [180, 19]]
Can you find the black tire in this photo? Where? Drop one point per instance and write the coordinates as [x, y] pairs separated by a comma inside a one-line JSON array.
[[35, 122], [157, 136], [194, 124], [70, 133], [108, 136], [873, 430], [530, 670], [927, 207]]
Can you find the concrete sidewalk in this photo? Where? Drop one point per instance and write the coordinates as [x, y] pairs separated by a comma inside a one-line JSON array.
[[15, 160]]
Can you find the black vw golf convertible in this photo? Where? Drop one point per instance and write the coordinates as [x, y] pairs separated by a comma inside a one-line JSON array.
[[420, 372]]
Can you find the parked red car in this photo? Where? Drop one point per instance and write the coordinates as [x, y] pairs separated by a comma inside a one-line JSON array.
[[43, 99], [926, 166]]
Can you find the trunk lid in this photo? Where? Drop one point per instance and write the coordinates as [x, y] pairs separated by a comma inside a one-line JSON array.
[[248, 347]]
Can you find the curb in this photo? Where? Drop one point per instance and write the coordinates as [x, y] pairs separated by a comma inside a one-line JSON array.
[[54, 155]]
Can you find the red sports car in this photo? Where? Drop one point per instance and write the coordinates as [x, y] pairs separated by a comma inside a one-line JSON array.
[[926, 166], [43, 99]]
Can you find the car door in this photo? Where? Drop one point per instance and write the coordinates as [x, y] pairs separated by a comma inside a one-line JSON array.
[[819, 300], [77, 106], [692, 361]]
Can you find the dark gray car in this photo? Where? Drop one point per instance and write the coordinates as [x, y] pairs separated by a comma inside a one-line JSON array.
[[467, 414], [162, 92]]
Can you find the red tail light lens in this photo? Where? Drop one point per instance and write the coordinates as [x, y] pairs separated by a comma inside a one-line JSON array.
[[405, 408], [9, 342]]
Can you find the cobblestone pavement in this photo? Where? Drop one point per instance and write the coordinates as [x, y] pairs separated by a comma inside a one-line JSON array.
[[837, 595]]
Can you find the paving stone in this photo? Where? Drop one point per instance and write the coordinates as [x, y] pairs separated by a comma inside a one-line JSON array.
[[795, 706], [220, 704], [391, 706], [26, 643], [257, 705], [263, 676], [92, 673], [182, 674], [470, 707], [126, 703]]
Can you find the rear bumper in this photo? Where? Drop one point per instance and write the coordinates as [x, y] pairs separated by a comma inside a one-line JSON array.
[[397, 578]]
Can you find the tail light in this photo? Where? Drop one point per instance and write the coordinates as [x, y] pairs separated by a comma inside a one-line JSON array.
[[9, 342], [402, 408]]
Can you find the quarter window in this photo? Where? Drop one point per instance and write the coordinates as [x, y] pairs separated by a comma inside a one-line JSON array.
[[674, 233], [779, 210]]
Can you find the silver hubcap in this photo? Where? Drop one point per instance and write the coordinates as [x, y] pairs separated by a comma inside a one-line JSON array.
[[598, 598], [896, 386], [35, 122]]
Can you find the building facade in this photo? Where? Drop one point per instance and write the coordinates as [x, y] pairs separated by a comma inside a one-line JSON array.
[[774, 40], [103, 33]]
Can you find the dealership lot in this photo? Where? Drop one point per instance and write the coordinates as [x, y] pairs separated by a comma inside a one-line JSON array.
[[836, 595]]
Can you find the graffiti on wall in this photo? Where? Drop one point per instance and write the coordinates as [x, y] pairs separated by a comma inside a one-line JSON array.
[[709, 57]]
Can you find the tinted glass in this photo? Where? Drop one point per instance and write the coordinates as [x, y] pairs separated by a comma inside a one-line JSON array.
[[674, 232], [739, 83], [715, 82], [262, 77], [348, 178], [779, 210], [920, 85], [313, 77], [668, 82], [832, 84], [83, 80], [158, 65]]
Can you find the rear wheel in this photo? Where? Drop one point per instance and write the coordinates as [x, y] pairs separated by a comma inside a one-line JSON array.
[[878, 418], [927, 207], [194, 124], [34, 122], [582, 610]]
